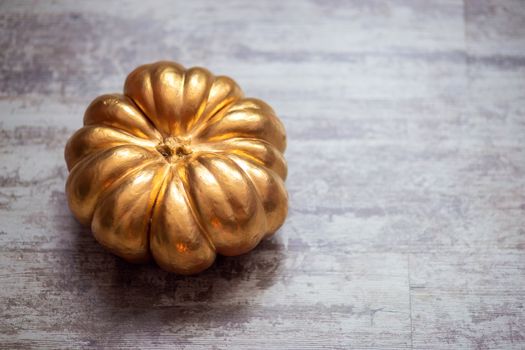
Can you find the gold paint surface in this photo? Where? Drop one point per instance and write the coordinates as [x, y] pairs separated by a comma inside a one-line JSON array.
[[179, 168]]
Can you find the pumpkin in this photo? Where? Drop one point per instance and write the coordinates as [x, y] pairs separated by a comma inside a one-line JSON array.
[[179, 168]]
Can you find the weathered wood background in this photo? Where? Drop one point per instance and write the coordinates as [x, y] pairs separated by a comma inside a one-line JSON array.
[[406, 124]]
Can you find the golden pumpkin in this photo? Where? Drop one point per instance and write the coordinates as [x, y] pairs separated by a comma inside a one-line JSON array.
[[181, 167]]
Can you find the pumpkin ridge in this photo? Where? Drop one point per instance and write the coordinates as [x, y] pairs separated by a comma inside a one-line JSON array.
[[162, 134], [144, 74], [243, 123], [211, 119], [152, 209], [121, 179], [175, 126], [256, 163], [227, 147], [202, 107], [231, 156], [72, 158], [116, 128], [107, 195], [99, 152], [251, 185], [90, 156], [154, 94], [148, 120], [196, 216], [217, 104], [272, 173], [108, 186], [206, 161], [110, 110], [163, 233]]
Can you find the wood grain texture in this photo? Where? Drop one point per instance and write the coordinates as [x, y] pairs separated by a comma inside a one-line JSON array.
[[406, 124]]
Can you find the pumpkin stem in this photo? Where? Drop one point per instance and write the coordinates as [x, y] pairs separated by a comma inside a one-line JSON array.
[[170, 148], [165, 150]]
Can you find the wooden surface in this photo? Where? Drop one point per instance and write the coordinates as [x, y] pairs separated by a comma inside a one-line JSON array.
[[406, 124]]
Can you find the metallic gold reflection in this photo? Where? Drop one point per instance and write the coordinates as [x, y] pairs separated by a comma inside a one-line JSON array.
[[179, 168]]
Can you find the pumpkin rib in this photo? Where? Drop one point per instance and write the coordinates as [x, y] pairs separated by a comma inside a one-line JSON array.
[[90, 156], [193, 201], [97, 152], [196, 216], [243, 240], [218, 114], [204, 101], [148, 120], [237, 106], [229, 147], [257, 164], [101, 125], [110, 110], [251, 184], [155, 103], [162, 134], [246, 156], [80, 145], [241, 124], [157, 89], [143, 74], [105, 185], [216, 117], [152, 209], [176, 125], [255, 103], [126, 176], [276, 177], [233, 96], [112, 228], [170, 260]]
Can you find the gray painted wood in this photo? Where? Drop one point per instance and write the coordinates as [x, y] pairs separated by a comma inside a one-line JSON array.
[[406, 123]]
